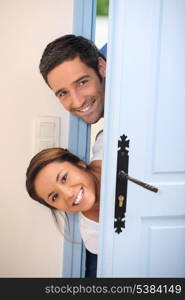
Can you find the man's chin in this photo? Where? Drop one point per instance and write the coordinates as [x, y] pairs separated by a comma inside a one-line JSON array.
[[89, 119], [95, 120]]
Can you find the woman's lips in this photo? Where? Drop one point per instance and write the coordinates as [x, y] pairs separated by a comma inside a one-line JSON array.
[[79, 197]]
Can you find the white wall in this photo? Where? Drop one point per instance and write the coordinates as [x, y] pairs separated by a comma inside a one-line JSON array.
[[30, 245]]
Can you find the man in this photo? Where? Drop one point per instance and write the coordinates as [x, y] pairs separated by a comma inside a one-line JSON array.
[[75, 70]]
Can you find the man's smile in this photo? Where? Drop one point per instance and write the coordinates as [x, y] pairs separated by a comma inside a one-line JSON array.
[[86, 106]]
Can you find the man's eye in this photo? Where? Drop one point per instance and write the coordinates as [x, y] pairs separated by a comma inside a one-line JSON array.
[[54, 197], [62, 94], [81, 83], [64, 178]]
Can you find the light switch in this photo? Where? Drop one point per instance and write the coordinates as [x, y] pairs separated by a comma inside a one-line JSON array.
[[47, 129], [46, 132]]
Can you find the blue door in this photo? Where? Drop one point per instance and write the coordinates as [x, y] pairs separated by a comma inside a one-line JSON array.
[[145, 100]]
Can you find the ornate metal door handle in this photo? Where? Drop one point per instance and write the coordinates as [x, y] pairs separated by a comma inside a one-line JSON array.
[[121, 184]]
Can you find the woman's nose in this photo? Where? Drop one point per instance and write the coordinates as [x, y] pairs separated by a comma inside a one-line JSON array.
[[67, 193]]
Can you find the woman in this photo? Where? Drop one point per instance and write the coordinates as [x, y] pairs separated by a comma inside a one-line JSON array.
[[61, 181]]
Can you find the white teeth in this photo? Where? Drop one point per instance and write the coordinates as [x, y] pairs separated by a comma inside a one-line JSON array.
[[85, 109], [87, 106], [79, 197]]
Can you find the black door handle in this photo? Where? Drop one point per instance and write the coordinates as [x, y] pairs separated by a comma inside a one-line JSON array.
[[145, 185], [121, 183]]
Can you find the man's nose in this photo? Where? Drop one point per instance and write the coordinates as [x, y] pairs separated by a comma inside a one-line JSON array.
[[76, 99]]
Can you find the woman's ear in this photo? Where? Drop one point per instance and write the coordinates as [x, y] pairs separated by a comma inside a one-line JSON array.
[[102, 66], [82, 164]]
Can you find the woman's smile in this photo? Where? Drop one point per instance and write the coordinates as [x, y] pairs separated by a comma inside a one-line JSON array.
[[67, 187], [79, 197]]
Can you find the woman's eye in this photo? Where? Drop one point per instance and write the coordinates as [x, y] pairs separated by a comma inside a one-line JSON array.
[[64, 178], [54, 197]]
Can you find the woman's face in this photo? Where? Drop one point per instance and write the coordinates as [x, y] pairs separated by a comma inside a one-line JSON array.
[[67, 187]]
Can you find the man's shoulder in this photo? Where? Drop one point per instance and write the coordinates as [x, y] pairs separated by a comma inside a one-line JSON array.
[[97, 149], [99, 134]]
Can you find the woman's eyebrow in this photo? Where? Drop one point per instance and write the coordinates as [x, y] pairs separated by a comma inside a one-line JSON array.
[[49, 195], [57, 179], [58, 175]]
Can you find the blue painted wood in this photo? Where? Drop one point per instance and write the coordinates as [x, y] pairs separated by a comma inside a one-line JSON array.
[[145, 95], [104, 50], [79, 142]]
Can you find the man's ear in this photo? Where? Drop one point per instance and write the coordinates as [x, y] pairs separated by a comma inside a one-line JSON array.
[[82, 164], [102, 66]]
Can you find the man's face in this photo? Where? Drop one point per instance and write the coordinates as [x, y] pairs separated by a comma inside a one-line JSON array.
[[79, 88]]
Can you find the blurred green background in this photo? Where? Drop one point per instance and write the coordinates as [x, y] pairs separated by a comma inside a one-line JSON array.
[[102, 7]]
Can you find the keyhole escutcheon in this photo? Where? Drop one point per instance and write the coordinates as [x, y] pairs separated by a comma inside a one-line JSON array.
[[121, 199]]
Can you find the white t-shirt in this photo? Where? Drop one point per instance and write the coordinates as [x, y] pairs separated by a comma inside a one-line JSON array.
[[90, 229], [97, 149]]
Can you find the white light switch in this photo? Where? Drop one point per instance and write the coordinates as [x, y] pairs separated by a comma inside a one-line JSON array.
[[47, 129], [46, 132]]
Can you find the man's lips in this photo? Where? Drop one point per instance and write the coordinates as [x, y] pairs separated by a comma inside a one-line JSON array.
[[86, 106]]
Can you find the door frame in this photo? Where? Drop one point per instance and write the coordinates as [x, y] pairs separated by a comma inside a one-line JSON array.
[[84, 21], [115, 50]]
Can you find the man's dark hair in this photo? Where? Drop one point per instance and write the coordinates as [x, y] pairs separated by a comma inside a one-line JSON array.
[[67, 48]]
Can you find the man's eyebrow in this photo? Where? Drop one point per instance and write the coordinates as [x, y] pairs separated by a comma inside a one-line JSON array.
[[74, 82], [57, 179], [80, 78]]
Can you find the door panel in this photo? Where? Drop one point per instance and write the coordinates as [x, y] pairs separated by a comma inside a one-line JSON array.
[[155, 229], [170, 88], [146, 71]]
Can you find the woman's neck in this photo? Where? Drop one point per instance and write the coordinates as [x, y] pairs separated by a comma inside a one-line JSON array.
[[95, 169]]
